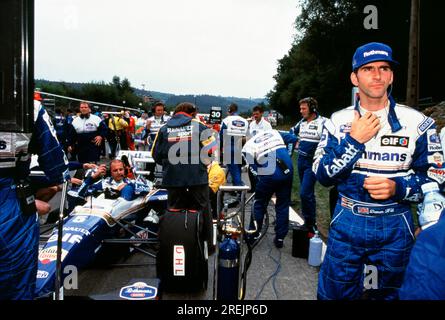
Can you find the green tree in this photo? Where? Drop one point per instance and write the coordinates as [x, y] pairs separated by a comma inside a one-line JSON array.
[[319, 62]]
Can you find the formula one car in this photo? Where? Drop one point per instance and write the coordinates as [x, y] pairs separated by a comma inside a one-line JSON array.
[[92, 231]]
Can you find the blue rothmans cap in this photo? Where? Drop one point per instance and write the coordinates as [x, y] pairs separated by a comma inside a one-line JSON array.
[[370, 52]]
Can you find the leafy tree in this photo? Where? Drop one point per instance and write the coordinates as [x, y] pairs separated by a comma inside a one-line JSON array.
[[319, 62]]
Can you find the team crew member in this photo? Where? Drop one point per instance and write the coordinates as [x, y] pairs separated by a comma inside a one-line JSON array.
[[424, 276], [130, 130], [217, 177], [180, 147], [257, 125], [155, 122], [60, 125], [258, 122], [85, 136], [268, 155], [19, 229], [308, 132], [140, 132], [116, 133], [232, 136], [378, 153]]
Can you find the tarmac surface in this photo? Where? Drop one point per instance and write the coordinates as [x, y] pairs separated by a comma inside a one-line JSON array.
[[274, 274]]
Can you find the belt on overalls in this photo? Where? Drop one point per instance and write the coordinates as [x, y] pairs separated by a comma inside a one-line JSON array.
[[371, 209]]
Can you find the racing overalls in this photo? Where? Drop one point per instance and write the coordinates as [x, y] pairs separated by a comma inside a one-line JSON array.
[[233, 130], [156, 124], [19, 229], [424, 276], [268, 154], [365, 231], [308, 135], [81, 134]]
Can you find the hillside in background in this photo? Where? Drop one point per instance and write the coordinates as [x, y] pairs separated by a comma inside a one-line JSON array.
[[204, 102]]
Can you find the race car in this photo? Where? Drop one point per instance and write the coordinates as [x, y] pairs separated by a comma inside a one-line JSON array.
[[95, 228]]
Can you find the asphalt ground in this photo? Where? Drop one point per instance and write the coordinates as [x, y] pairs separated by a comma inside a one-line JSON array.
[[274, 274]]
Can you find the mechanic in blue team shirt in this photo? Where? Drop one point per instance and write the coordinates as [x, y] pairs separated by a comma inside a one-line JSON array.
[[308, 132], [425, 276], [268, 154], [85, 135], [60, 125], [19, 228], [379, 154], [232, 137]]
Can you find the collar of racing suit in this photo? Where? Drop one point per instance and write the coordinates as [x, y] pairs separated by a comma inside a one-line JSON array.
[[392, 117]]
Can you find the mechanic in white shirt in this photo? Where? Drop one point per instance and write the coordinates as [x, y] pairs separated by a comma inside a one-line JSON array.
[[258, 122]]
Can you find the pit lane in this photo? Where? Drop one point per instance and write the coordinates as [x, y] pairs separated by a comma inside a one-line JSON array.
[[274, 273]]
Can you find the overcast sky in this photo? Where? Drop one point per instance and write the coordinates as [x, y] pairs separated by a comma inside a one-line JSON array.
[[219, 47]]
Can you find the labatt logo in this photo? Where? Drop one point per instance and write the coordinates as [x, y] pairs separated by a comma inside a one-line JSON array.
[[339, 164]]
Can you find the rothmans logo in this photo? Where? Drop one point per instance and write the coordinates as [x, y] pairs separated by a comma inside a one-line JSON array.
[[373, 52]]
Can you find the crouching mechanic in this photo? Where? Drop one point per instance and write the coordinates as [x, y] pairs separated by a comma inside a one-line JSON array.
[[19, 228], [269, 156], [379, 154]]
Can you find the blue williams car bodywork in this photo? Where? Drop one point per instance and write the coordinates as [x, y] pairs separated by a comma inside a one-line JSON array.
[[88, 227]]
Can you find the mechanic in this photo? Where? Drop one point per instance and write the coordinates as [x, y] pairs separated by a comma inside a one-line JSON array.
[[130, 130], [60, 125], [217, 178], [308, 132], [378, 153], [269, 156], [257, 125], [424, 276], [182, 147], [116, 133], [19, 229], [85, 135], [232, 137], [156, 121]]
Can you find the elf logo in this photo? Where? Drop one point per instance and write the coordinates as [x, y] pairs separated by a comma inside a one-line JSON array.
[[395, 141]]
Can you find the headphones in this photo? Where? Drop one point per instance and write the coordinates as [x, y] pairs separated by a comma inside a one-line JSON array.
[[84, 116], [311, 102]]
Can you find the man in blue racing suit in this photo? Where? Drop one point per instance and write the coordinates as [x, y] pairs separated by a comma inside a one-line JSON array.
[[378, 153], [268, 155], [308, 132], [19, 228]]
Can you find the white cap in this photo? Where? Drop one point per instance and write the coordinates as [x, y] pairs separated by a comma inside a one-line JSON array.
[[430, 186]]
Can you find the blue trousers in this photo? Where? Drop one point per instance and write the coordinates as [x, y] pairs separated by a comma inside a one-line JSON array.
[[383, 242], [265, 189], [19, 245], [307, 189], [235, 172]]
